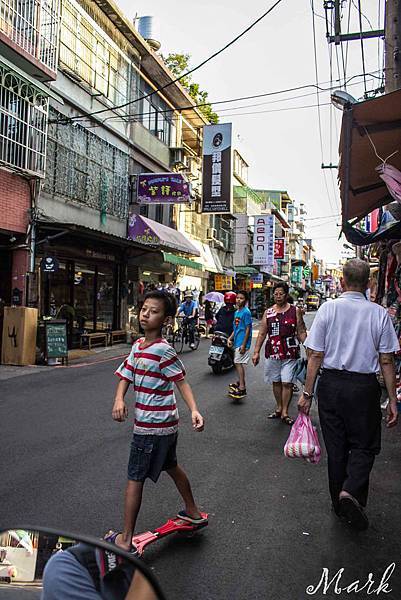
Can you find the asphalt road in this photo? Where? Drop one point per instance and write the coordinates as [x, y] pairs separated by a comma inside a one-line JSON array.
[[271, 531]]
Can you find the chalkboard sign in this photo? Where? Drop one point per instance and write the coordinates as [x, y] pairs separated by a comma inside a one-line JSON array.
[[56, 339]]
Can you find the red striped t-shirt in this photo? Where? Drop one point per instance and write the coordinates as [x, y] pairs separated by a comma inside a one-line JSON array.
[[152, 370]]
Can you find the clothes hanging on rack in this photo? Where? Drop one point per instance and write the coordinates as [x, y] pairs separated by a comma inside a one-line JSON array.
[[392, 178]]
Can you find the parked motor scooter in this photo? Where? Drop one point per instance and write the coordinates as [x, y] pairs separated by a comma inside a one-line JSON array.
[[221, 357]]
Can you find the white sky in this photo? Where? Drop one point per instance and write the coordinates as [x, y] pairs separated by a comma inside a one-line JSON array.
[[282, 147]]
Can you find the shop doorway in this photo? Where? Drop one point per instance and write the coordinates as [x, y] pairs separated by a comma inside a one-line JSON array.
[[85, 294]]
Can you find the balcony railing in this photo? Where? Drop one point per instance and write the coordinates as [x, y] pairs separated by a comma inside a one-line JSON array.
[[23, 124], [32, 25]]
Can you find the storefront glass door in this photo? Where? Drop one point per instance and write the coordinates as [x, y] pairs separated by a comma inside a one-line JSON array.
[[105, 298], [84, 295]]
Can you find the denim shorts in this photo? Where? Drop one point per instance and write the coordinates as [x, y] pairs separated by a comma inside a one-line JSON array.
[[150, 455]]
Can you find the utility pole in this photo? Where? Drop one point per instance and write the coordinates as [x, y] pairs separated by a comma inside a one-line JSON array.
[[392, 46]]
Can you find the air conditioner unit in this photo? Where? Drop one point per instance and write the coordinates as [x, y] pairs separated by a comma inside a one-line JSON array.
[[211, 233], [178, 158], [193, 168]]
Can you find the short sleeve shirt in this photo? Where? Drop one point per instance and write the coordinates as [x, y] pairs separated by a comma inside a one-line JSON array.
[[187, 308], [352, 332], [153, 370], [242, 320]]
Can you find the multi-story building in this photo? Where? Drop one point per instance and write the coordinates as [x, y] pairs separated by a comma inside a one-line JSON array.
[[113, 124], [28, 63]]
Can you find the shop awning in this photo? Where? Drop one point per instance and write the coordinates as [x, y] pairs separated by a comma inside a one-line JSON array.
[[151, 233], [207, 257], [246, 270], [180, 260], [281, 217], [379, 119], [217, 261]]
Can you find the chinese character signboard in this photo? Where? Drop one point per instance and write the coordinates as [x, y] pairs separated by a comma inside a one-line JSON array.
[[217, 169], [279, 248], [296, 275], [162, 188], [315, 271], [263, 241], [223, 282], [139, 231]]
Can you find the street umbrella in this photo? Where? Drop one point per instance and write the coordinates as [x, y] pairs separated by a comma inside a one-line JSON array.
[[214, 297]]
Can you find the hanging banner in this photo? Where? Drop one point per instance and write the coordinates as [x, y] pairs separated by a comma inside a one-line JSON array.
[[315, 271], [217, 169], [263, 241], [279, 248], [162, 188]]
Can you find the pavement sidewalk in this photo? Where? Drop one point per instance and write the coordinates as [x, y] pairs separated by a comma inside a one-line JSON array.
[[81, 358], [76, 358]]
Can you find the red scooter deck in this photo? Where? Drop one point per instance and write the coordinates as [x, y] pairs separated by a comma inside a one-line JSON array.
[[171, 526]]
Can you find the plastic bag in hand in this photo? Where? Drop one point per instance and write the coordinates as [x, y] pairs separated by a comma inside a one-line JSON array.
[[303, 441]]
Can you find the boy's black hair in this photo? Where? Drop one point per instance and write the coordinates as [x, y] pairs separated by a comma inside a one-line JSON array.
[[283, 286], [244, 293], [169, 301]]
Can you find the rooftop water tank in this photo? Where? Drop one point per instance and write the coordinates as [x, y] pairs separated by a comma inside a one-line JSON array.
[[147, 27]]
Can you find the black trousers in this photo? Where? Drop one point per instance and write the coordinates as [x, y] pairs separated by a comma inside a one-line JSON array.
[[350, 418]]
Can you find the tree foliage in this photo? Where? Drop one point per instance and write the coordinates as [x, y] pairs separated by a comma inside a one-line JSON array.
[[178, 64]]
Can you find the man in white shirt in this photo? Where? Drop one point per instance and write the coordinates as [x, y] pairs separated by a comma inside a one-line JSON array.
[[351, 338]]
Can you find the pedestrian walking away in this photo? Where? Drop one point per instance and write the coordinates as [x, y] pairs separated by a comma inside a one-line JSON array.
[[351, 338], [283, 328], [241, 339], [153, 367]]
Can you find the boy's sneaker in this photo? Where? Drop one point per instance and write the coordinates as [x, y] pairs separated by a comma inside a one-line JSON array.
[[238, 394], [233, 387]]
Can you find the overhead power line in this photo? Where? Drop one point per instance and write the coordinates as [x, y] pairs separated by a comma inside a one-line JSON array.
[[204, 62], [322, 217], [128, 118], [318, 101]]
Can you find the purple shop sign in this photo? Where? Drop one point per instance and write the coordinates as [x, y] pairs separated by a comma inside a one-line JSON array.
[[162, 188], [139, 231]]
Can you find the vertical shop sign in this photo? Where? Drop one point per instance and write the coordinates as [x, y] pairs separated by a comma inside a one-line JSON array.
[[279, 248], [263, 241], [217, 169]]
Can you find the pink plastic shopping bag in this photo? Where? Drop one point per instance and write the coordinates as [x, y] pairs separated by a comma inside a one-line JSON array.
[[303, 441]]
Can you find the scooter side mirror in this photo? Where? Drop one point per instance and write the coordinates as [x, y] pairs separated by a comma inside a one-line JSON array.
[[46, 563]]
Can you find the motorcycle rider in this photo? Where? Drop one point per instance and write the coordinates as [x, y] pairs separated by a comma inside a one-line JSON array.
[[225, 316], [189, 309]]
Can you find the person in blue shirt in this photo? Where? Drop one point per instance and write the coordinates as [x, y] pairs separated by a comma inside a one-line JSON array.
[[189, 310], [241, 339]]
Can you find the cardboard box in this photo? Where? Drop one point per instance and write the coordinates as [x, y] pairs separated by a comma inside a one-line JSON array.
[[19, 335]]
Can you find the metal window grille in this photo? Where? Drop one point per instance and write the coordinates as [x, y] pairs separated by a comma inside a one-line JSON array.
[[23, 124], [82, 167], [33, 26], [88, 53]]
